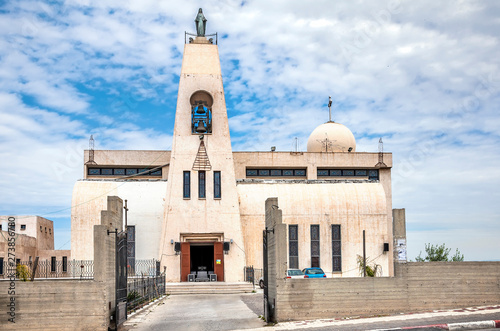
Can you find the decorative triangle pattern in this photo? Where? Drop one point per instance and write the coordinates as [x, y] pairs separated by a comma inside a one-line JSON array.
[[201, 162]]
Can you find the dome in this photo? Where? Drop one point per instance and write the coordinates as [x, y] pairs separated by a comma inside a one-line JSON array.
[[331, 137]]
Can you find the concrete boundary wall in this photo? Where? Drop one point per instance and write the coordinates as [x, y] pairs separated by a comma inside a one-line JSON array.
[[417, 287], [69, 304], [55, 305]]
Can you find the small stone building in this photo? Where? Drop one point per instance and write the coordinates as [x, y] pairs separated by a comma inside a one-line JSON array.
[[34, 236]]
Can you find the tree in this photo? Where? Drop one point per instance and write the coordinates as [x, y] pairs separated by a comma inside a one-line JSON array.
[[439, 253]]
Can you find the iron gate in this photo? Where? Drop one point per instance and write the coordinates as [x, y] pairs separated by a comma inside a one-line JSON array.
[[121, 277]]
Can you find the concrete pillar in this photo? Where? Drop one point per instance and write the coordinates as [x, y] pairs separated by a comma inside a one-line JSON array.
[[105, 250], [399, 235], [276, 252]]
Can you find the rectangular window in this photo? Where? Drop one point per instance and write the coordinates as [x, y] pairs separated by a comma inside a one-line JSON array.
[[53, 264], [293, 246], [217, 186], [131, 249], [335, 172], [131, 171], [300, 173], [65, 264], [1, 265], [186, 194], [336, 248], [201, 184], [322, 172], [315, 245], [373, 174], [23, 226], [251, 172], [106, 171]]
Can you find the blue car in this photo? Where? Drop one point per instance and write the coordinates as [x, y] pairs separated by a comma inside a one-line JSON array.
[[313, 273]]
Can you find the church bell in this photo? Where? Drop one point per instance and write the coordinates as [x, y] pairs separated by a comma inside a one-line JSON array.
[[200, 110], [201, 127]]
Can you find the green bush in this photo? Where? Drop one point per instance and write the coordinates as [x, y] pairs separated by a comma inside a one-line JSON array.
[[132, 296], [22, 272]]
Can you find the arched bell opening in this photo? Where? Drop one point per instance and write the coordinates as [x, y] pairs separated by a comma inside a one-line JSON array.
[[201, 112]]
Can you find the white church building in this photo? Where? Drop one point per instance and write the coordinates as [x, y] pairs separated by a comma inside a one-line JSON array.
[[200, 205]]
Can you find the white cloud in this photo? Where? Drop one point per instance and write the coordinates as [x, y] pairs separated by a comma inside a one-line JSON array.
[[423, 75]]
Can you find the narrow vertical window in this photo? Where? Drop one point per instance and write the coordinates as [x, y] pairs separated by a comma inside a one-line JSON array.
[[186, 192], [64, 264], [1, 265], [217, 186], [131, 249], [293, 246], [336, 248], [53, 264], [201, 184], [315, 245]]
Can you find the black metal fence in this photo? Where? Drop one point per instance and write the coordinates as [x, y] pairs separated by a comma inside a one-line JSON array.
[[78, 269], [141, 291], [143, 268], [252, 275]]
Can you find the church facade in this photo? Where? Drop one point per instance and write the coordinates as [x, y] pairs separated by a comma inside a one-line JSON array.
[[200, 206]]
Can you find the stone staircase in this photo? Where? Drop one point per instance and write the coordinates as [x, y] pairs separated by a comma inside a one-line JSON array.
[[209, 288]]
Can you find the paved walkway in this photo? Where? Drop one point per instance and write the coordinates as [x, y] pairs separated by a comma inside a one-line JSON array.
[[241, 312], [199, 313]]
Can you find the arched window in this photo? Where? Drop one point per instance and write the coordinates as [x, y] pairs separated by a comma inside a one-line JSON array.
[[201, 112]]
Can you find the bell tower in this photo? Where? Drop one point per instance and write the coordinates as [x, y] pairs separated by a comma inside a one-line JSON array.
[[201, 203]]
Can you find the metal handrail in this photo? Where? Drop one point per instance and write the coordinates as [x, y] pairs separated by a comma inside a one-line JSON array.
[[195, 35]]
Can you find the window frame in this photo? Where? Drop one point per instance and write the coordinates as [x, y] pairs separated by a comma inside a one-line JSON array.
[[313, 257], [217, 185], [64, 264], [53, 264], [339, 255], [186, 184], [202, 184], [293, 260]]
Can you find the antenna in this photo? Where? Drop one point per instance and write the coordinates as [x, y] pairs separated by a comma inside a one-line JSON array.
[[91, 151], [380, 163], [330, 109], [296, 144]]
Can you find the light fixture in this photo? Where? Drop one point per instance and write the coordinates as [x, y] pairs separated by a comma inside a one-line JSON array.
[[273, 148], [172, 241], [231, 241]]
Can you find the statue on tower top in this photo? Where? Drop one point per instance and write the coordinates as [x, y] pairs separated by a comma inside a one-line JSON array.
[[201, 23]]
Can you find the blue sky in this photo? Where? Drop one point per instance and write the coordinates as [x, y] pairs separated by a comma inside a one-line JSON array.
[[424, 76]]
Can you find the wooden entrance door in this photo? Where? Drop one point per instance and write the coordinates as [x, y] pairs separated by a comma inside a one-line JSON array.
[[219, 261], [185, 261]]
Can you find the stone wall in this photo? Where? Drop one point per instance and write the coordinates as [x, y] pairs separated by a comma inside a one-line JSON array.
[[418, 287], [62, 304], [55, 304]]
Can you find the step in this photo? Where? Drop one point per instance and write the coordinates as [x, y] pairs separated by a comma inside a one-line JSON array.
[[208, 288]]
